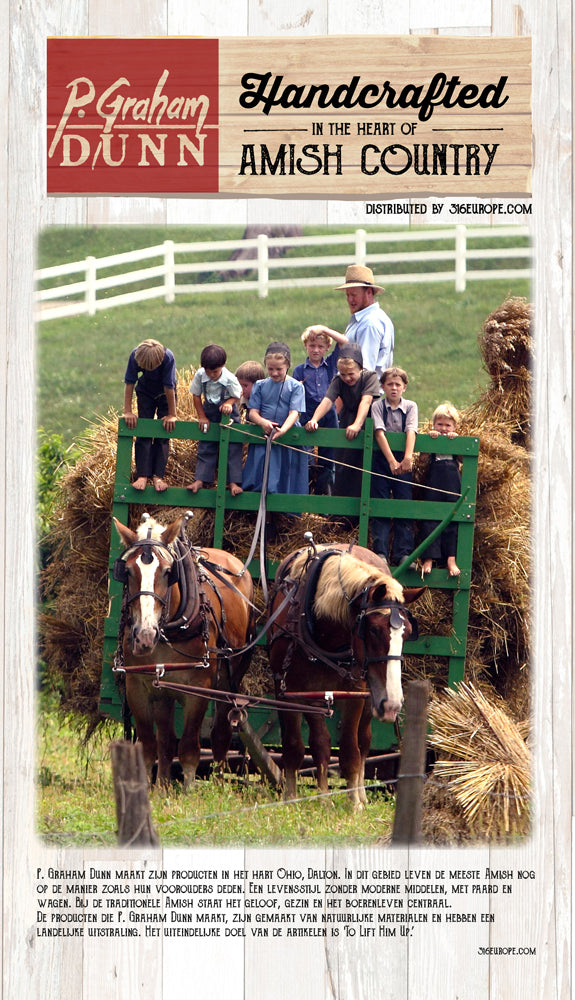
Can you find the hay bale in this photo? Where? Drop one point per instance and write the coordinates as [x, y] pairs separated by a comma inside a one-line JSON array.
[[481, 777], [506, 348]]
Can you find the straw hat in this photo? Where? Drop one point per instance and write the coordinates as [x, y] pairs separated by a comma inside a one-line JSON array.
[[357, 275], [150, 354]]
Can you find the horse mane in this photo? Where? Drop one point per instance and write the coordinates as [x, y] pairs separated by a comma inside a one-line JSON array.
[[152, 527], [341, 580]]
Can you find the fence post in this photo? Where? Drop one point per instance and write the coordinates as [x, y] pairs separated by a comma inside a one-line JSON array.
[[263, 269], [91, 285], [169, 272], [360, 246], [135, 828], [407, 820], [460, 258]]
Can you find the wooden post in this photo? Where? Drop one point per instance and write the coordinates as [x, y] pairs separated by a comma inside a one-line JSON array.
[[135, 828], [266, 765], [407, 821]]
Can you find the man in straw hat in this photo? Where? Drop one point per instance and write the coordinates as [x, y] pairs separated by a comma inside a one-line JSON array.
[[369, 326]]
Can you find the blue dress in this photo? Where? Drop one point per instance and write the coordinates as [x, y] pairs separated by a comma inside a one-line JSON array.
[[288, 471]]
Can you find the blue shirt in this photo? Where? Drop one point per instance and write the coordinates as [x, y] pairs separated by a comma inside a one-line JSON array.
[[373, 330], [153, 381], [316, 380]]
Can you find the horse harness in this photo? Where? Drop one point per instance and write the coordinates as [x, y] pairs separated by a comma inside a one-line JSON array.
[[300, 624], [192, 616]]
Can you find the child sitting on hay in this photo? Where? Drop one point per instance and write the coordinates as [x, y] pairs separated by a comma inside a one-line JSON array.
[[444, 476], [216, 393], [151, 370]]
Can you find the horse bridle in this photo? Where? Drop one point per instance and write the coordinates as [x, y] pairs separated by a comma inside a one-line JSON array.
[[120, 570], [398, 613]]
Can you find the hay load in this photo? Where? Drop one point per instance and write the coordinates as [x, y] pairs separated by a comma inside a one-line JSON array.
[[75, 580]]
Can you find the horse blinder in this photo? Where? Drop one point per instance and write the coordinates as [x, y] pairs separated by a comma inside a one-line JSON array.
[[120, 571]]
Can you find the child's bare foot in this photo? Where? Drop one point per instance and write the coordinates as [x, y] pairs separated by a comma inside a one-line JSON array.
[[140, 483], [235, 490], [160, 485], [427, 567], [195, 486], [452, 567]]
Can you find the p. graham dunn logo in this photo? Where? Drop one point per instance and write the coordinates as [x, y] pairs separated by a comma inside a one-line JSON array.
[[247, 117], [132, 115]]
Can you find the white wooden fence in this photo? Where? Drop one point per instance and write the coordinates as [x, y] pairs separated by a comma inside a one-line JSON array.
[[83, 298]]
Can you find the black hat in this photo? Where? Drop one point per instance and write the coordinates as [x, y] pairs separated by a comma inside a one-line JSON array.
[[351, 351], [278, 347]]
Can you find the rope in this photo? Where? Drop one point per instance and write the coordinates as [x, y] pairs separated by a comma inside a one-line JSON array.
[[335, 461], [260, 528]]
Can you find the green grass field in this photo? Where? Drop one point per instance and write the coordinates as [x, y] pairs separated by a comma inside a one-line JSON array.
[[76, 802], [81, 360]]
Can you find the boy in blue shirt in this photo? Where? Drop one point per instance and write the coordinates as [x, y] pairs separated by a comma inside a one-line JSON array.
[[151, 371], [316, 373]]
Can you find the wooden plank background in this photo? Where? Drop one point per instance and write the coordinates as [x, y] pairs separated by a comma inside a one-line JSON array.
[[434, 966]]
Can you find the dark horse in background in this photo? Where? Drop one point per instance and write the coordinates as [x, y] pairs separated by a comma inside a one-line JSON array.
[[343, 629], [181, 605]]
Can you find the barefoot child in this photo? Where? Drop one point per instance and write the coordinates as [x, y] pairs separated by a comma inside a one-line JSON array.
[[444, 476], [216, 392], [393, 413], [151, 371]]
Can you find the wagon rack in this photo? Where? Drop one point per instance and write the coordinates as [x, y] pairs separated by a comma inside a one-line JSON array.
[[263, 713]]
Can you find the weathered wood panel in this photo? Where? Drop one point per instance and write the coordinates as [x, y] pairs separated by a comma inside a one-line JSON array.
[[434, 965]]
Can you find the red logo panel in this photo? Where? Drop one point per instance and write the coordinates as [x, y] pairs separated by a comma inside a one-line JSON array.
[[132, 115]]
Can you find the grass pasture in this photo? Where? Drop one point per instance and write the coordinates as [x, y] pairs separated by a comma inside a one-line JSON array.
[[80, 367], [76, 802]]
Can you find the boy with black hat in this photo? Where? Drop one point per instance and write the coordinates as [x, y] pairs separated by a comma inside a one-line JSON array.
[[356, 388]]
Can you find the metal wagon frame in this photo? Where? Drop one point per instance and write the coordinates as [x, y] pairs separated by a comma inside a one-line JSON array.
[[451, 647]]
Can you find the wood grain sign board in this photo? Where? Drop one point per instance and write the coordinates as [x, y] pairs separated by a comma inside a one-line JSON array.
[[319, 117]]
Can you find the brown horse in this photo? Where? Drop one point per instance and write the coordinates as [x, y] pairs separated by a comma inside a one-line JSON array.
[[181, 605], [343, 630]]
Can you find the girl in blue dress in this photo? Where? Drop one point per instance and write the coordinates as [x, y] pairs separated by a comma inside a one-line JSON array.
[[276, 403]]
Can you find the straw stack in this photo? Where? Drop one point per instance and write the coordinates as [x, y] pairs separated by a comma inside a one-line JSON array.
[[480, 784]]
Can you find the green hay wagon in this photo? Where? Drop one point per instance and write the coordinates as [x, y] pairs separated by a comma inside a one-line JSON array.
[[449, 647]]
